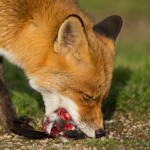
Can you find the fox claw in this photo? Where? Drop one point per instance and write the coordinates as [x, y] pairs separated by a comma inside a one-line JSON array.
[[22, 122], [24, 119]]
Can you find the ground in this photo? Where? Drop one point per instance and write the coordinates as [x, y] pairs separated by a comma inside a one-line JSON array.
[[127, 108]]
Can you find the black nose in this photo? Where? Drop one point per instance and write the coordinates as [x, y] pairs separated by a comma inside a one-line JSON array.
[[100, 133]]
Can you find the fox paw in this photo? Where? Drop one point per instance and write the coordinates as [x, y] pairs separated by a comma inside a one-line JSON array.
[[22, 122]]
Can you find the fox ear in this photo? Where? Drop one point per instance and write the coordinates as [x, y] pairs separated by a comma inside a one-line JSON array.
[[70, 35], [109, 27]]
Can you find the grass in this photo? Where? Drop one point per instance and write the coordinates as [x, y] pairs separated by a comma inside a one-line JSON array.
[[130, 88], [113, 144], [130, 91]]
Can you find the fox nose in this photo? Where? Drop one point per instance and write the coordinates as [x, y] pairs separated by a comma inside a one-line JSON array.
[[100, 133]]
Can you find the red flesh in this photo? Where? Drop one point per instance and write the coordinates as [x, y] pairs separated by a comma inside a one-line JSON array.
[[59, 128]]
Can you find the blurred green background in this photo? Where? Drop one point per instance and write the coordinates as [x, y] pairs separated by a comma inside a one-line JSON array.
[[130, 90]]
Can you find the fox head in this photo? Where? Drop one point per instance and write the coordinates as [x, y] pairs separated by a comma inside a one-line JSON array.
[[77, 74]]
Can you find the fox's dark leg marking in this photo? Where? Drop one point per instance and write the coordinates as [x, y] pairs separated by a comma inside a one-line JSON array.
[[8, 116], [7, 112]]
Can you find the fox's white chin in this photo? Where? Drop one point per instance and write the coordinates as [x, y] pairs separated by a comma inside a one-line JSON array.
[[54, 101]]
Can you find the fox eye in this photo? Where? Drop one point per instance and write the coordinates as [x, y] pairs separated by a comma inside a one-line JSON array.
[[86, 97]]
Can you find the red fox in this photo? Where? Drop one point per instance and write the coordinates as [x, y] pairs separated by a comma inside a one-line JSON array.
[[66, 58]]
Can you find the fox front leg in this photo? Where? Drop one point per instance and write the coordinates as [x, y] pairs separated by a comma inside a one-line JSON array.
[[8, 116]]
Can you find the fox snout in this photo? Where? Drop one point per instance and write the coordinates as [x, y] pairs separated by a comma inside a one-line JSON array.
[[87, 118], [92, 120]]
